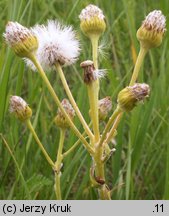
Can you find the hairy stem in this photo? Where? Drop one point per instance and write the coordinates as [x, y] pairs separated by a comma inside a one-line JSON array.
[[72, 101]]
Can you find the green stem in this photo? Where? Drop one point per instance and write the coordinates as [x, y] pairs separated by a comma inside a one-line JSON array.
[[113, 129], [138, 64], [93, 93], [58, 165], [72, 148], [93, 90], [100, 173], [72, 101], [49, 160], [94, 110], [57, 101], [109, 124], [95, 41], [75, 144], [57, 186]]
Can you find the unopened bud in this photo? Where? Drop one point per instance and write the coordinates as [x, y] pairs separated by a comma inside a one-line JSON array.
[[105, 105], [129, 96], [151, 32], [92, 21], [20, 39], [20, 108], [60, 119]]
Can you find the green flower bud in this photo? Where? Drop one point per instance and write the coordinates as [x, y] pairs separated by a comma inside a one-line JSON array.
[[92, 21], [60, 119], [20, 39], [151, 32], [20, 108], [129, 96], [105, 105]]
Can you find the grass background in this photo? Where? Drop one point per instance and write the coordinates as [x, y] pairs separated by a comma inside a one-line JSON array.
[[140, 167]]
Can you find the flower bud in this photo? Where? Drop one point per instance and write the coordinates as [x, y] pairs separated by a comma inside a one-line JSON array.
[[151, 32], [89, 71], [20, 39], [60, 119], [92, 21], [105, 105], [129, 96], [20, 108]]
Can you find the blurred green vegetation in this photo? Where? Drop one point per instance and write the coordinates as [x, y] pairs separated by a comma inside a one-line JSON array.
[[139, 169]]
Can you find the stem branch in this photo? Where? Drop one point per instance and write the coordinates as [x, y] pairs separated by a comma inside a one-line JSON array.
[[138, 64], [29, 125], [72, 101], [57, 101]]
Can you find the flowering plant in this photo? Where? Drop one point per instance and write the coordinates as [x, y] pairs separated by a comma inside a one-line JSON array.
[[53, 47]]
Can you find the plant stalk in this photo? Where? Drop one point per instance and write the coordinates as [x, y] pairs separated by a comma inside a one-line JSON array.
[[57, 101], [94, 110], [93, 90], [109, 124], [49, 160], [58, 165], [72, 101], [138, 64]]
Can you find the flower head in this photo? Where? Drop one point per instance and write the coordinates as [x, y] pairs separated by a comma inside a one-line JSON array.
[[20, 108], [57, 44], [151, 32], [105, 105], [129, 96], [92, 20], [20, 39], [90, 73], [60, 118]]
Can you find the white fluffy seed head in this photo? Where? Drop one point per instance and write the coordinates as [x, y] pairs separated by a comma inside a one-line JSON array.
[[155, 21], [90, 12], [57, 43]]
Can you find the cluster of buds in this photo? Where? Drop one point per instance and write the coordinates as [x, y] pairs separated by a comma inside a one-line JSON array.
[[60, 119], [129, 96], [20, 108]]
